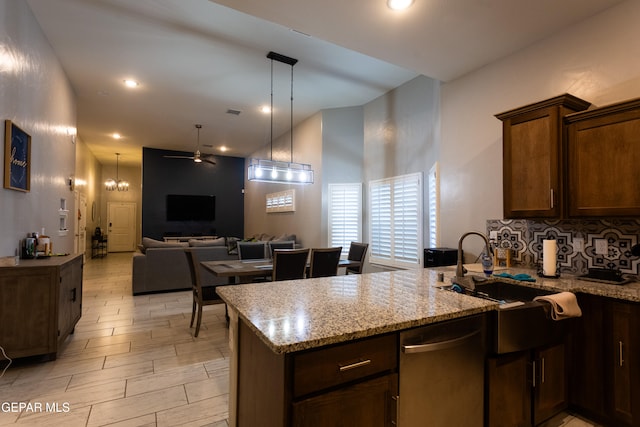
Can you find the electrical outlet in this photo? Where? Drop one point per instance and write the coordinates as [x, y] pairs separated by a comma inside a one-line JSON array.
[[578, 244], [493, 235], [601, 246]]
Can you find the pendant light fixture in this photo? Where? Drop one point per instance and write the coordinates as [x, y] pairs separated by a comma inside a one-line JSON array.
[[280, 171], [116, 184]]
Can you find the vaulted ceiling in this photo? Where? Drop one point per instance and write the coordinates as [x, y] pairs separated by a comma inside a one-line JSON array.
[[197, 59]]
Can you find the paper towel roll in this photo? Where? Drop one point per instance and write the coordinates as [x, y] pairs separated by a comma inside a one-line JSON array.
[[549, 252]]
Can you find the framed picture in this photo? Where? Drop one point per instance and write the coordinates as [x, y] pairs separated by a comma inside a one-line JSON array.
[[17, 158]]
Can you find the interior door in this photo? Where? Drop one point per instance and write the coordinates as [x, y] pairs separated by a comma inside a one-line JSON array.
[[121, 218], [81, 224]]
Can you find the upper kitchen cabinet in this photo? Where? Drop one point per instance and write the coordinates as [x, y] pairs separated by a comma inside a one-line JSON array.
[[603, 154], [533, 182]]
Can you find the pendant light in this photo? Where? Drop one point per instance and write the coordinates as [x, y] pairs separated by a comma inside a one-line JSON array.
[[116, 184], [264, 170]]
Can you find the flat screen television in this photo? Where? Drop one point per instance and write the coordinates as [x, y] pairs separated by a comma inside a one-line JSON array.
[[186, 207]]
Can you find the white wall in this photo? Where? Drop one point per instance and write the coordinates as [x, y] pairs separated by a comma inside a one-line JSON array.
[[36, 95], [342, 153], [401, 135], [304, 222], [597, 60]]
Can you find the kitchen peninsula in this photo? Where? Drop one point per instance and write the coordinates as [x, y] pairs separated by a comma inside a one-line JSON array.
[[287, 338]]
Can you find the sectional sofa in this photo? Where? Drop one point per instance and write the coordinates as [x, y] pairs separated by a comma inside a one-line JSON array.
[[162, 266]]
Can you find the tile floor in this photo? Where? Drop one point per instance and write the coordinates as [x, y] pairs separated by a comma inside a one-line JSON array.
[[133, 362]]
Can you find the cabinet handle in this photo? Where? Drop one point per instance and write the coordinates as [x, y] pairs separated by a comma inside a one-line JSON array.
[[534, 373], [73, 295], [354, 365], [552, 201], [620, 350], [542, 371], [395, 420]]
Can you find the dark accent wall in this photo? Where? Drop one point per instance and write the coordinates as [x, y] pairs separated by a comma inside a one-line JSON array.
[[162, 176]]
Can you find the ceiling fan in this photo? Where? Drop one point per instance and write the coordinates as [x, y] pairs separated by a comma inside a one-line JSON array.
[[197, 156]]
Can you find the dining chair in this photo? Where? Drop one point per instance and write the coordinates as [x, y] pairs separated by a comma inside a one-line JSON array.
[[251, 250], [324, 261], [289, 264], [202, 295], [357, 252], [281, 244]]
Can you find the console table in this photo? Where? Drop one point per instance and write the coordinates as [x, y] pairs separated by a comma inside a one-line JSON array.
[[40, 304]]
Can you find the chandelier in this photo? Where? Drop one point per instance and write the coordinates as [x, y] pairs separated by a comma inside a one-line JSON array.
[[116, 184], [268, 170]]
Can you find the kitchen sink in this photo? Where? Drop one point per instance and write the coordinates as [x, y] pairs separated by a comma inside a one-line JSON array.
[[520, 323]]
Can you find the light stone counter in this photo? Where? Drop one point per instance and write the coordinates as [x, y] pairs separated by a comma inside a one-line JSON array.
[[302, 314]]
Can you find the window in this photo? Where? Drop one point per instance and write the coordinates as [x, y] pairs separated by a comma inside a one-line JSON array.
[[284, 201], [434, 206], [345, 215], [396, 221]]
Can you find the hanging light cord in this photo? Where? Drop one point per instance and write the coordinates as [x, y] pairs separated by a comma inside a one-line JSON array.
[[271, 138], [291, 131]]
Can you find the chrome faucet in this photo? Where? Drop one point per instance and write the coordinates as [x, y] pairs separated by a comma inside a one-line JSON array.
[[468, 282]]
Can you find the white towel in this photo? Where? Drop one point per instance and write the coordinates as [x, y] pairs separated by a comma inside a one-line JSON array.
[[563, 305]]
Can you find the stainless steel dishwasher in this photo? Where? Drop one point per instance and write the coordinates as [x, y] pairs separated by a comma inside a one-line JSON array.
[[442, 374]]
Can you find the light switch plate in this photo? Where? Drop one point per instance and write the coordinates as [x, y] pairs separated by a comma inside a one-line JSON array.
[[493, 234], [578, 244]]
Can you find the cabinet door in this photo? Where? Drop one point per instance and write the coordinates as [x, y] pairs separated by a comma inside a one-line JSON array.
[[587, 357], [623, 361], [370, 403], [604, 154], [28, 311], [70, 297], [508, 389], [550, 382], [531, 156]]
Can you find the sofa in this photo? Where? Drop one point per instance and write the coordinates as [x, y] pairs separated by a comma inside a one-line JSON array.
[[163, 266]]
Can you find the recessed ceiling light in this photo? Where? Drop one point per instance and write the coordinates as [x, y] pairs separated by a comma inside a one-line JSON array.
[[399, 4], [116, 135], [131, 83], [223, 148], [265, 109]]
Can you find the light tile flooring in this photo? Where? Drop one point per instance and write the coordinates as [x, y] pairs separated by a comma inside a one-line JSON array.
[[133, 362]]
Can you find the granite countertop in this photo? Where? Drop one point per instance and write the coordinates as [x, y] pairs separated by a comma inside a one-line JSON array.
[[302, 314]]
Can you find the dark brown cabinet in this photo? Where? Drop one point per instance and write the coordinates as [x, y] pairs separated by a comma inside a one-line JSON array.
[[354, 383], [605, 377], [550, 386], [603, 147], [366, 404], [40, 303], [526, 388], [533, 183]]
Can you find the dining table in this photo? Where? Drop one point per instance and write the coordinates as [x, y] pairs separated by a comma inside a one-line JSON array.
[[243, 271]]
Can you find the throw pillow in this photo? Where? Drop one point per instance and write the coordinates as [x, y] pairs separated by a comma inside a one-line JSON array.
[[148, 242], [220, 241]]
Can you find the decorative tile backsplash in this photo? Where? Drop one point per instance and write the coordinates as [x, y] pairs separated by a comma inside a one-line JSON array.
[[524, 238]]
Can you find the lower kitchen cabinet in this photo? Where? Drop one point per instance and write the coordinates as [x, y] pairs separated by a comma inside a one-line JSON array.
[[550, 382], [526, 388], [40, 304], [368, 404], [605, 380], [354, 383]]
